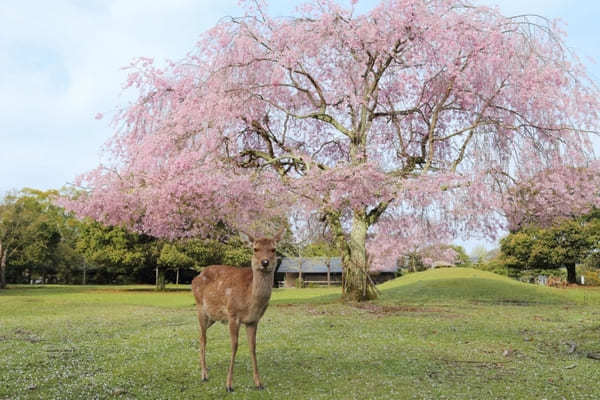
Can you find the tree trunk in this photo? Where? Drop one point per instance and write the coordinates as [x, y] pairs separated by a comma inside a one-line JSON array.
[[160, 279], [3, 253], [177, 278], [571, 274], [357, 285]]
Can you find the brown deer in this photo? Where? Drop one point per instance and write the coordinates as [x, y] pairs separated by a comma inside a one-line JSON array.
[[557, 282], [236, 296]]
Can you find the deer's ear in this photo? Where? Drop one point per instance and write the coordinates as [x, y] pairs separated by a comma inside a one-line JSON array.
[[279, 235], [249, 240]]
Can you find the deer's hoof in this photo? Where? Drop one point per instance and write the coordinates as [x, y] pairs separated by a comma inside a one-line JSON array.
[[204, 379], [260, 387], [229, 389]]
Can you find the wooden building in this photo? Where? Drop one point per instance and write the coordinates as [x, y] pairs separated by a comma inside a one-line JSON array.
[[311, 270], [320, 271]]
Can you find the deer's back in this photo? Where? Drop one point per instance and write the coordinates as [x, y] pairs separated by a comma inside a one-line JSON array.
[[222, 290]]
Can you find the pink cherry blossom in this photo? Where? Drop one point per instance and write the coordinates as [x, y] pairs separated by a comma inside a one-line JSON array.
[[398, 128]]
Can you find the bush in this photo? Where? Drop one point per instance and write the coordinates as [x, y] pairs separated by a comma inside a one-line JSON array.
[[530, 275], [590, 275], [497, 266], [591, 278]]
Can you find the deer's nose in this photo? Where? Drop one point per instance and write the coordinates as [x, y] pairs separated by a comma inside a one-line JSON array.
[[265, 263]]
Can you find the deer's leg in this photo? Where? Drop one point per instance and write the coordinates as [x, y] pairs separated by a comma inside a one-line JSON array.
[[251, 333], [205, 323], [234, 329]]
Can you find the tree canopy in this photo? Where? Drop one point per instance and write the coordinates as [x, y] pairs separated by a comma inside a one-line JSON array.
[[396, 128], [35, 236], [562, 245]]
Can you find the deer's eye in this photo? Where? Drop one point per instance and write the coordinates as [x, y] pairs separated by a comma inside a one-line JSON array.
[[272, 250], [255, 249]]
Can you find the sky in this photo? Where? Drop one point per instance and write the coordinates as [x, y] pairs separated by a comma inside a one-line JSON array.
[[61, 63]]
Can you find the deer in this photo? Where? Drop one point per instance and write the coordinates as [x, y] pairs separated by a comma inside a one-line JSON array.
[[236, 296], [557, 282]]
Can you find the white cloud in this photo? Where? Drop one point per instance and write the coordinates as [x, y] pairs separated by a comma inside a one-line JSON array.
[[63, 65]]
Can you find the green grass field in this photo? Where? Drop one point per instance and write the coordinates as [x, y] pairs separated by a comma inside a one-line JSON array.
[[444, 334]]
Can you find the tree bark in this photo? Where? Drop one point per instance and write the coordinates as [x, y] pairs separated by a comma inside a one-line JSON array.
[[160, 279], [3, 253], [357, 285], [571, 274]]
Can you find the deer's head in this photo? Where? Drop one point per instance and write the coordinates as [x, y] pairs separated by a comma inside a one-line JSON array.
[[263, 255]]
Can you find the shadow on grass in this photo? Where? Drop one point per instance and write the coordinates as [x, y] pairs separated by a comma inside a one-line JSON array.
[[42, 290], [279, 299], [55, 290], [149, 290]]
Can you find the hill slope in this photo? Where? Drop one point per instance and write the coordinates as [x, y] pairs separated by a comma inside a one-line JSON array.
[[471, 285]]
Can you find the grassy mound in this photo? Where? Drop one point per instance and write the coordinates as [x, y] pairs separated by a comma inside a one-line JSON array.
[[471, 285]]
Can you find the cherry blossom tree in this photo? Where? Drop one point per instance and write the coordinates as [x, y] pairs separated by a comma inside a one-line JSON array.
[[395, 128], [543, 197]]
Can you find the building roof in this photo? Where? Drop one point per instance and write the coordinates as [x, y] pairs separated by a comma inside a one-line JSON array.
[[318, 265]]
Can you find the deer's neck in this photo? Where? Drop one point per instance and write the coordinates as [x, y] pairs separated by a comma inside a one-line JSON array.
[[262, 284]]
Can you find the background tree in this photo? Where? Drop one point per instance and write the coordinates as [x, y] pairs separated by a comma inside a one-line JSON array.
[[563, 245], [320, 248], [10, 226], [461, 257], [172, 258], [36, 237], [424, 257], [123, 256], [395, 128], [479, 253], [553, 194]]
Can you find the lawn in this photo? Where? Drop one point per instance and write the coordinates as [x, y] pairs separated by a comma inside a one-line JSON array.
[[444, 334]]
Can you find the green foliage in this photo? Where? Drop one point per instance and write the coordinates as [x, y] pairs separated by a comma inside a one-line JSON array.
[[480, 253], [287, 247], [320, 248], [590, 274], [203, 252], [38, 236], [530, 275], [116, 250], [414, 262], [42, 240], [236, 252], [462, 258], [237, 256], [212, 252], [172, 258], [593, 259], [565, 244], [496, 265], [591, 278]]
